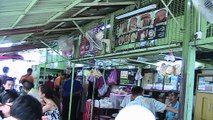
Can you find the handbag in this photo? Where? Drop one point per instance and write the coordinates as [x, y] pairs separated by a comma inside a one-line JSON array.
[[103, 90]]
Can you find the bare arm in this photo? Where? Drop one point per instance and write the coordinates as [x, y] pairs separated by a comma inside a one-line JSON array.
[[171, 109], [46, 108]]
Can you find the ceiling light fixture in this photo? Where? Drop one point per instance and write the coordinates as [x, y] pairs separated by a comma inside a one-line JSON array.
[[4, 45], [150, 7]]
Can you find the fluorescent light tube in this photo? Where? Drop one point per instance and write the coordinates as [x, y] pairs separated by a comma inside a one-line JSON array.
[[6, 45], [150, 7]]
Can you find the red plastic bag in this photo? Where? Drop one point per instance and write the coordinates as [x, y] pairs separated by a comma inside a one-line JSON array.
[[113, 78]]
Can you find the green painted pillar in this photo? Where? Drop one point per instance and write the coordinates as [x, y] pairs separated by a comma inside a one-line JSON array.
[[71, 93], [45, 65], [188, 54]]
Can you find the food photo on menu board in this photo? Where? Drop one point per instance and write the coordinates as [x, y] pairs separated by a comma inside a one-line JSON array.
[[145, 20], [142, 35], [124, 26], [126, 39], [132, 23], [146, 26], [160, 17], [133, 37]]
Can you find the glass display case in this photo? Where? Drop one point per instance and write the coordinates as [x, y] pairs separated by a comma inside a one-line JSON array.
[[205, 83]]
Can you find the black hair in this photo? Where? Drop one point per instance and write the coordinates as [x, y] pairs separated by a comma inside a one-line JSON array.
[[8, 79], [27, 85], [50, 77], [173, 92], [5, 69], [49, 93], [137, 91], [9, 96], [26, 107], [29, 70]]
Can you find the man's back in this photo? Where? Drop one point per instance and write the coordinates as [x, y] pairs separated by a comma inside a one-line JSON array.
[[149, 103]]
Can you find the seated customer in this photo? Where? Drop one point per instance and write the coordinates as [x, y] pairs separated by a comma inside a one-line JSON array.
[[25, 107], [173, 99], [8, 84], [7, 100], [149, 103]]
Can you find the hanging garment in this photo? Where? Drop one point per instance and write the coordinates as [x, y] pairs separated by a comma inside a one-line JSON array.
[[113, 77]]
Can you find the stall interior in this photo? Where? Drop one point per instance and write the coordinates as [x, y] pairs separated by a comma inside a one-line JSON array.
[[110, 81]]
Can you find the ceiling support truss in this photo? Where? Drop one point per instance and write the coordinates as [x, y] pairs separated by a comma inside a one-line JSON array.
[[78, 18], [29, 7], [167, 8], [105, 4], [74, 15]]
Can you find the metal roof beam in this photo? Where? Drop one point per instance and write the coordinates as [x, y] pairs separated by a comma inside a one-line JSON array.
[[13, 13], [29, 7], [3, 38], [78, 18], [24, 26], [74, 3], [57, 30], [105, 4], [20, 31], [30, 30], [74, 15]]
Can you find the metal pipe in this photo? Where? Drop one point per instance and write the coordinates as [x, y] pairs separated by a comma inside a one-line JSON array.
[[79, 28], [53, 50], [78, 18], [105, 4], [57, 30], [45, 65], [71, 92], [130, 53], [93, 101], [188, 54]]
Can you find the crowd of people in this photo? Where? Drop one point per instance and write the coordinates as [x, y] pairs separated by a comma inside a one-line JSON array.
[[50, 101]]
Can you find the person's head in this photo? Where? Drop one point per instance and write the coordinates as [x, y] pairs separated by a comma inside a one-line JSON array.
[[27, 85], [63, 75], [26, 107], [46, 92], [29, 71], [7, 100], [5, 70], [8, 83], [135, 112], [172, 96], [49, 77], [136, 91]]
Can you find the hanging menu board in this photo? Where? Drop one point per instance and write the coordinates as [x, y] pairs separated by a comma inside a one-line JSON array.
[[147, 27]]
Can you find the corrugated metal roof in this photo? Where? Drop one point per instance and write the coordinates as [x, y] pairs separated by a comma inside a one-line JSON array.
[[16, 14]]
